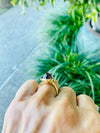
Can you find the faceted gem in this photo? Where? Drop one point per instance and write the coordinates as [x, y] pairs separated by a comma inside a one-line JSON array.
[[47, 76]]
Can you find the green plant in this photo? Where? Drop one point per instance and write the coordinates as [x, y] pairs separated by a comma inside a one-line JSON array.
[[27, 3], [60, 25], [86, 7], [70, 69], [90, 9], [63, 24]]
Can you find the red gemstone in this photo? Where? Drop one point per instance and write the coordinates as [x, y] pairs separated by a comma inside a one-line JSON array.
[[47, 76]]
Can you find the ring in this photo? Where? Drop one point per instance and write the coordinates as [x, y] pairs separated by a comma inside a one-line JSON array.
[[47, 79]]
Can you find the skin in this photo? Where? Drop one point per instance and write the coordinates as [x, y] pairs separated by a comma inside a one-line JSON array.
[[37, 109]]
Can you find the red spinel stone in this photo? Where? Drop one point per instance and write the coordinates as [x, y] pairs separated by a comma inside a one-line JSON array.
[[47, 76]]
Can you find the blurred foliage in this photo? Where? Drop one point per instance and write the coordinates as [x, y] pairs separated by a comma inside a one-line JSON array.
[[28, 3], [87, 7], [61, 25]]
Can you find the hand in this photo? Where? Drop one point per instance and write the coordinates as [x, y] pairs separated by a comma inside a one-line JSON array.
[[36, 110]]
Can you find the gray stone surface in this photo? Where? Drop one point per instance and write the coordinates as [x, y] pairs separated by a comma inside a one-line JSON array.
[[16, 39]]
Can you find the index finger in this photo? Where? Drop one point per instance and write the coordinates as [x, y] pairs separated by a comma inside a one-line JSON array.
[[26, 90]]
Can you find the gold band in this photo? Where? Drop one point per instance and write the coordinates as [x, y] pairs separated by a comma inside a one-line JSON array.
[[49, 81]]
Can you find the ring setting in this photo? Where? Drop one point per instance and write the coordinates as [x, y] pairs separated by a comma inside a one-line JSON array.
[[48, 79]]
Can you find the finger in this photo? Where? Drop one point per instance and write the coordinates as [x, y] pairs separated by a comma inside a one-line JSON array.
[[68, 94], [46, 92], [27, 90], [86, 102]]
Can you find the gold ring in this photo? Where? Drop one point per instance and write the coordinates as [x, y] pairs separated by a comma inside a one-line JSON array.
[[47, 79]]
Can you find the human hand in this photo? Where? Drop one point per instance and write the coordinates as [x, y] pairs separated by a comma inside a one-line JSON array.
[[38, 110]]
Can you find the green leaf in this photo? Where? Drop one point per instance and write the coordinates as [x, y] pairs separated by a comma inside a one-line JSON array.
[[92, 86], [53, 2], [37, 8], [13, 2], [26, 4]]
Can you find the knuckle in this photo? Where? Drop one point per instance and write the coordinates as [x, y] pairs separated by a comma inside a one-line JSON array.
[[67, 93], [29, 82], [85, 97], [67, 89]]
